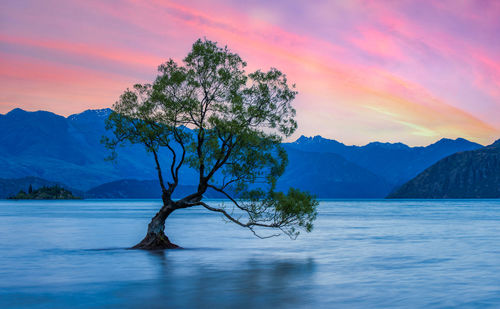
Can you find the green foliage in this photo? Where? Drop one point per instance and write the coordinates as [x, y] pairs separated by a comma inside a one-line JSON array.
[[237, 121], [45, 193]]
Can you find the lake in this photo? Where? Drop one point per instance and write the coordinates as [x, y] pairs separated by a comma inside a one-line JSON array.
[[361, 254]]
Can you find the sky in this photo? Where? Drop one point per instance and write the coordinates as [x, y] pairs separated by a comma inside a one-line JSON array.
[[389, 71]]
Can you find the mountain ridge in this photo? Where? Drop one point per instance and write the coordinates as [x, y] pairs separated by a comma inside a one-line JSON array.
[[466, 174], [68, 150], [395, 162]]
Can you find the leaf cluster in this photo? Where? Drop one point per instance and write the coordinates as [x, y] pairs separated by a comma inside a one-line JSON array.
[[226, 124]]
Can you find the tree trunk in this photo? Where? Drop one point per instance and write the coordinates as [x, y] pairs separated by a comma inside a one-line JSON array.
[[155, 238]]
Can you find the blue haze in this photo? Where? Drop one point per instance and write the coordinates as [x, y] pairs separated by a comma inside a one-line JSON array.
[[68, 150]]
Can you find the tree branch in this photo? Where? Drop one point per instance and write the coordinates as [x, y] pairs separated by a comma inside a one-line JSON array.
[[228, 196], [183, 156], [221, 161], [158, 168], [228, 216]]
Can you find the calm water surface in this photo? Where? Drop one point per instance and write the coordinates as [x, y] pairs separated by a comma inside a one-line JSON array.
[[362, 254]]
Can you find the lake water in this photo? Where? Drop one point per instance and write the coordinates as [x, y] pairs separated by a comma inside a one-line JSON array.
[[361, 254]]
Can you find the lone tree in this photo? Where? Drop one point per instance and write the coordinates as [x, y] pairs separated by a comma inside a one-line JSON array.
[[227, 125]]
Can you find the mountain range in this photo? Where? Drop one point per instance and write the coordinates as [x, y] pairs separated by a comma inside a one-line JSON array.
[[468, 174], [396, 163], [67, 150]]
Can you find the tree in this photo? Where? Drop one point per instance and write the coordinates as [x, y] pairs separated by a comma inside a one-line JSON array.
[[227, 125], [30, 189]]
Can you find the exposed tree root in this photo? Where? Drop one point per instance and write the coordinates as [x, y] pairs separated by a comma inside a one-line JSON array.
[[155, 242]]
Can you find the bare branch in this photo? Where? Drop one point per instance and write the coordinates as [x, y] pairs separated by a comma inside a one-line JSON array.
[[179, 140], [228, 216], [228, 196], [158, 168]]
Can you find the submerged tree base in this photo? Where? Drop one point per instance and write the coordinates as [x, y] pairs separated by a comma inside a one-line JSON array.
[[155, 242]]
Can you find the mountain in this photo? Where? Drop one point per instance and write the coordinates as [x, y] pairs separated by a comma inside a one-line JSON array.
[[132, 188], [395, 162], [323, 174], [330, 175], [469, 174], [67, 150]]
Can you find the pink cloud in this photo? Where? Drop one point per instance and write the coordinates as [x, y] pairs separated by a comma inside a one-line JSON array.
[[372, 70], [379, 44], [92, 51]]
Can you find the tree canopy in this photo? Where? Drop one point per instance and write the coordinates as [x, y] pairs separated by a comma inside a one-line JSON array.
[[228, 126]]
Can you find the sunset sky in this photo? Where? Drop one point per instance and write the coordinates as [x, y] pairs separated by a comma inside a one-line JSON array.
[[409, 71]]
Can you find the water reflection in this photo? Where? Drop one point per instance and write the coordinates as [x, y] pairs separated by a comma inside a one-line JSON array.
[[249, 284]]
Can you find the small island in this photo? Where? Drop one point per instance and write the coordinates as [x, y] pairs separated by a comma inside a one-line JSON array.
[[45, 193]]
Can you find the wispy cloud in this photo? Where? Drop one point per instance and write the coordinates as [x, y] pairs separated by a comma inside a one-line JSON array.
[[365, 70]]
